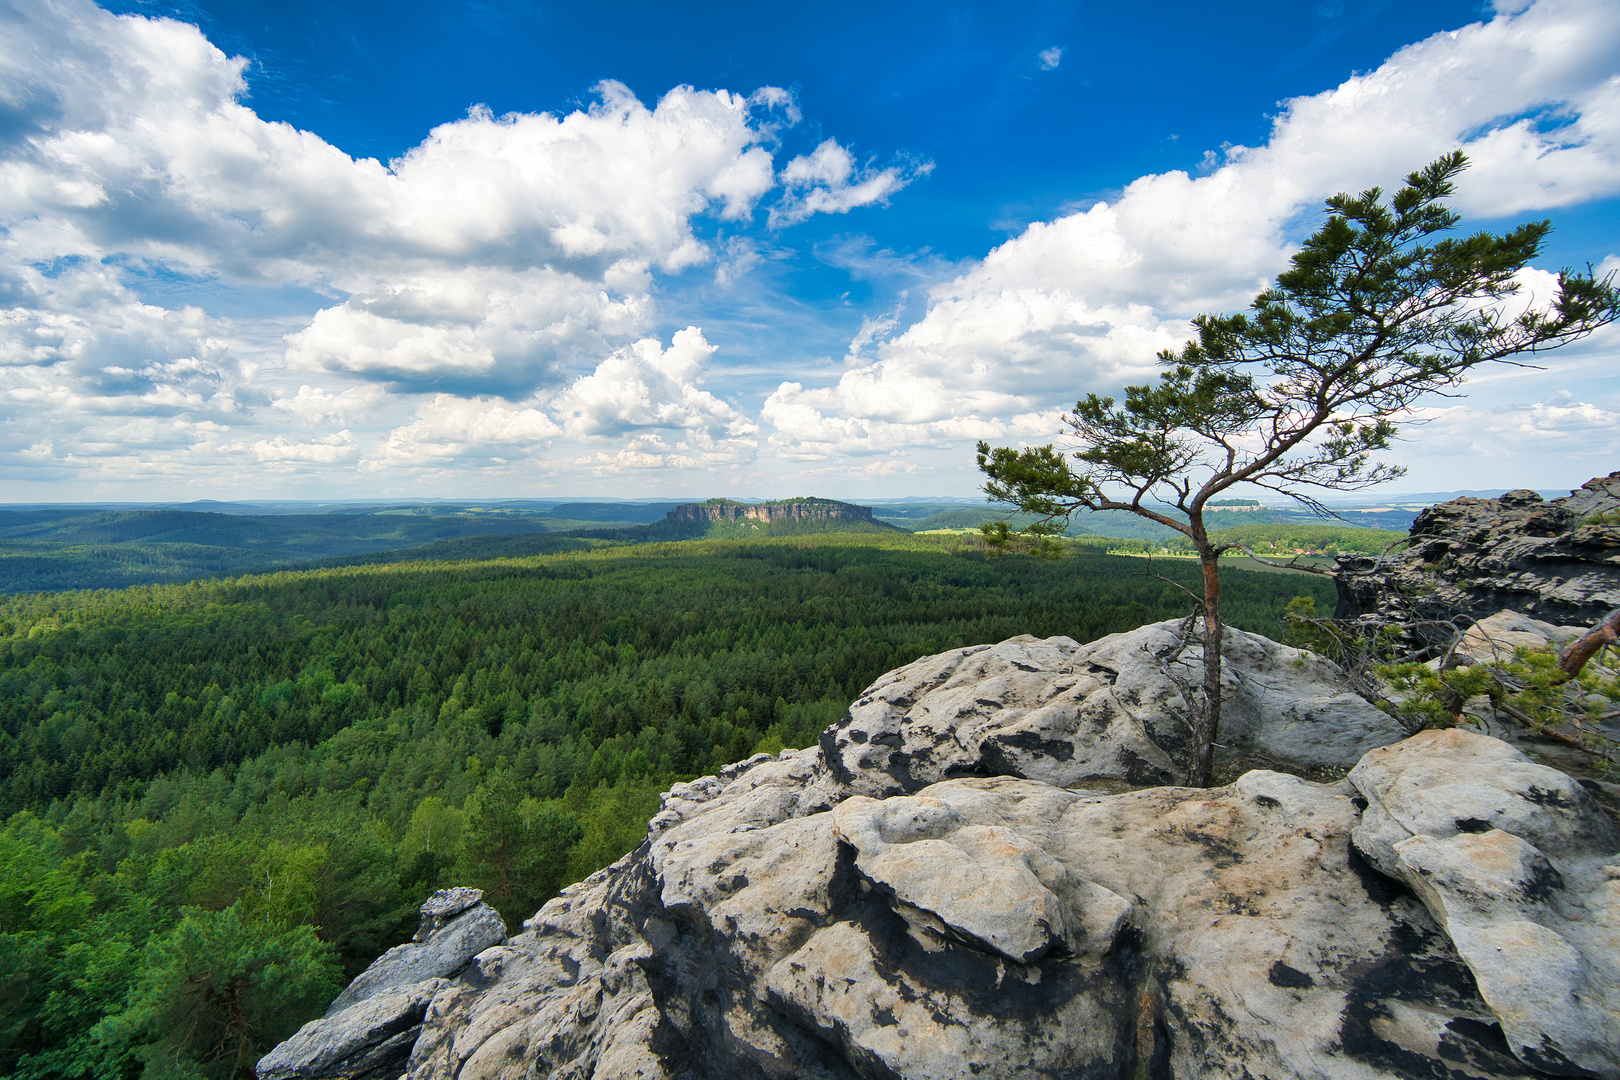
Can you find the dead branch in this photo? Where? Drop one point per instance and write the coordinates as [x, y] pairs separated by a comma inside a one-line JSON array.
[[1199, 600], [1167, 659], [1292, 564], [1545, 731], [1583, 648], [1379, 565]]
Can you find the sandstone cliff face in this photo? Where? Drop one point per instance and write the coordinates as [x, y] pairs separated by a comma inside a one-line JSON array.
[[944, 889], [1558, 561], [786, 510]]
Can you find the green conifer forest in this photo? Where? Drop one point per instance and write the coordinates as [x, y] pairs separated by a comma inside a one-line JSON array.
[[222, 799]]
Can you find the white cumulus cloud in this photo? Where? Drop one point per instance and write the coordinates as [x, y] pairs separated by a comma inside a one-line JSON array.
[[314, 404], [135, 138], [1085, 301], [827, 181], [499, 259], [449, 429], [324, 451], [645, 385], [491, 328]]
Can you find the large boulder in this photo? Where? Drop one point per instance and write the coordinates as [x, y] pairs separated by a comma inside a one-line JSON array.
[[979, 927], [1064, 713], [1522, 869], [368, 1039], [1497, 639], [456, 926]]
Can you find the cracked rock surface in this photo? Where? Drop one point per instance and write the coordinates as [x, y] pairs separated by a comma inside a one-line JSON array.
[[834, 913], [1522, 869], [1068, 714]]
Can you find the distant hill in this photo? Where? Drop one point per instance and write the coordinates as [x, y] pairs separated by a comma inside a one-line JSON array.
[[729, 519], [47, 550], [50, 548]]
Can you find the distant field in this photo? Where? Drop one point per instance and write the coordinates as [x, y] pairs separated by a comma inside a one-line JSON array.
[[1303, 537]]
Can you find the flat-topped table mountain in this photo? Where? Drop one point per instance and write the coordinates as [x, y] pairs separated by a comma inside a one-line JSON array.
[[829, 511]]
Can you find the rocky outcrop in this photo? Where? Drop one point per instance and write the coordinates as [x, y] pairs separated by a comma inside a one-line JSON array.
[[1071, 714], [797, 510], [940, 891], [1557, 561], [369, 1030]]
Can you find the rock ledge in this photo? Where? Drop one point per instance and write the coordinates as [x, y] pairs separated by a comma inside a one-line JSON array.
[[941, 890]]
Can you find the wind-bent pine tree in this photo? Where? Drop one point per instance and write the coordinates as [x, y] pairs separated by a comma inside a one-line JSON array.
[[1298, 394]]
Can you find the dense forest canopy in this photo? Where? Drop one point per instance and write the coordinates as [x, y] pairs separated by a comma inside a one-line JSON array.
[[209, 781]]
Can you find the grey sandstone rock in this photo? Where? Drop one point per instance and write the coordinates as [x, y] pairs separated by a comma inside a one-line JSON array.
[[1495, 638], [1476, 557], [1522, 869], [369, 1031], [1189, 934], [442, 906], [441, 952], [371, 1038], [1069, 714], [984, 884]]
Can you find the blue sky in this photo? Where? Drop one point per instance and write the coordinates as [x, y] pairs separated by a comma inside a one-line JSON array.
[[303, 250]]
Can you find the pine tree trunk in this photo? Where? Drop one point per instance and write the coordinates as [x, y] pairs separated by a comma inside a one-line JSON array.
[[1208, 726]]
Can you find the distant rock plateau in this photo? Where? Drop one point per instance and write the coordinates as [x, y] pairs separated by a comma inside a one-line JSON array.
[[795, 510]]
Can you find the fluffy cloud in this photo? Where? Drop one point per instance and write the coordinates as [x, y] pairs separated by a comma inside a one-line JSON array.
[[807, 424], [314, 404], [135, 137], [489, 329], [827, 181], [1084, 302], [645, 451], [647, 395], [646, 385], [325, 451], [641, 408], [497, 249], [498, 260], [1512, 441], [449, 429]]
